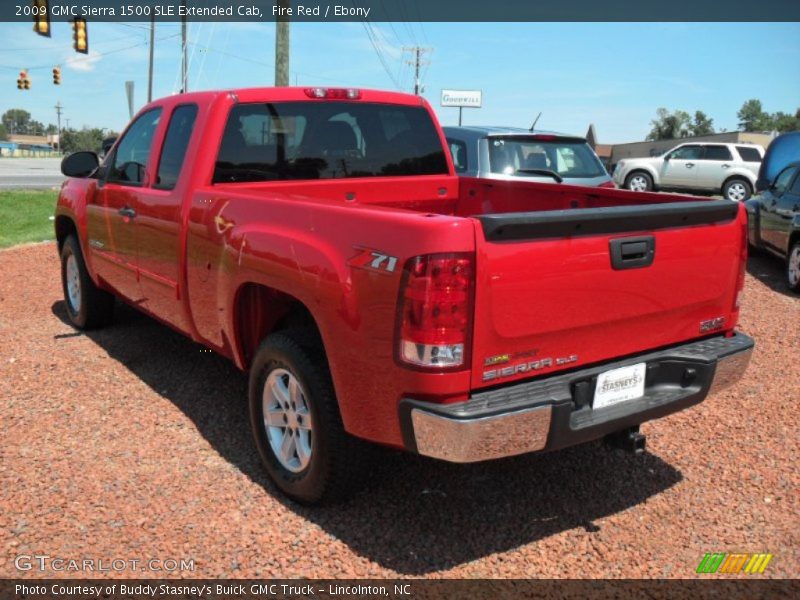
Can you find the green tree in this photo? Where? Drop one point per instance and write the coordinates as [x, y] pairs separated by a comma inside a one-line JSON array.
[[753, 118], [668, 126], [702, 124], [784, 122], [3, 133], [88, 138], [16, 120]]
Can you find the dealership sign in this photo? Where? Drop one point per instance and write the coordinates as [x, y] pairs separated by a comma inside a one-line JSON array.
[[462, 98]]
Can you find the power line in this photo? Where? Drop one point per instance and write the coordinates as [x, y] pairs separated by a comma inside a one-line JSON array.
[[370, 33], [417, 63]]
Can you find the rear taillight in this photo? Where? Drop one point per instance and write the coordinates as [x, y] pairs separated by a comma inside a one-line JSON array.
[[435, 311], [333, 93], [607, 184], [737, 301]]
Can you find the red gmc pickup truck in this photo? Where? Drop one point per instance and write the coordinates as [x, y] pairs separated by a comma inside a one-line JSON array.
[[321, 240]]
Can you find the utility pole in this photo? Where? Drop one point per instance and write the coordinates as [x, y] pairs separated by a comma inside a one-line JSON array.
[[282, 44], [417, 63], [58, 108], [184, 82], [152, 52]]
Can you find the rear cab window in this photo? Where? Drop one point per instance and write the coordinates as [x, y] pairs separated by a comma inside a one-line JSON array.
[[327, 140], [748, 154], [520, 155], [179, 132]]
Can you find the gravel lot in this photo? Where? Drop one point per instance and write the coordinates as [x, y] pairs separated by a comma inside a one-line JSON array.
[[132, 443]]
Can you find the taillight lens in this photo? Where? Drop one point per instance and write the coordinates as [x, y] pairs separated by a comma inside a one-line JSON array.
[[607, 184], [333, 93], [436, 304], [742, 268]]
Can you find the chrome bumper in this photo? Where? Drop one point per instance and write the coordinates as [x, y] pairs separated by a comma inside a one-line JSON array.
[[551, 418]]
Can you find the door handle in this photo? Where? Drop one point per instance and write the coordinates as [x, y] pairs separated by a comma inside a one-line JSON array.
[[726, 166], [127, 211], [689, 165], [632, 252]]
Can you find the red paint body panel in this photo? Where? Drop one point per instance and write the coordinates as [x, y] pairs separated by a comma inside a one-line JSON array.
[[190, 252]]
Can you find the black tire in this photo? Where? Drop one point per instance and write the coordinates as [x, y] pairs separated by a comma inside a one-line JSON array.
[[793, 268], [337, 459], [636, 177], [737, 189], [93, 307]]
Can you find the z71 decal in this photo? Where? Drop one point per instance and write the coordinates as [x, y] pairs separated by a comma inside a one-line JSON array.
[[367, 258]]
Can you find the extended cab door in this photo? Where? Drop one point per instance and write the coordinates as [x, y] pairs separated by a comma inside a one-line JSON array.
[[713, 167], [158, 221], [111, 211], [680, 166]]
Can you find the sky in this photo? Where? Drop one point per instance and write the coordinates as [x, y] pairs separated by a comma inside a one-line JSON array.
[[614, 75]]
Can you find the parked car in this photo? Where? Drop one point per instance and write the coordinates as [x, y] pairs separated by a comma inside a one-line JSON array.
[[514, 153], [729, 169], [774, 214], [321, 240]]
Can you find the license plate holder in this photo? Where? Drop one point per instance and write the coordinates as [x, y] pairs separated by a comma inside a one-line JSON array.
[[619, 385]]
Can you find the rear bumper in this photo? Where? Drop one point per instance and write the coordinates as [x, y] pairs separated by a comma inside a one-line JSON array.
[[556, 411]]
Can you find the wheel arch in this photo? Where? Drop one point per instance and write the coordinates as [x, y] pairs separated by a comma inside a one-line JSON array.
[[65, 226]]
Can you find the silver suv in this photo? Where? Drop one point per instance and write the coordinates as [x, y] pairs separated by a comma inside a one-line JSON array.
[[730, 169]]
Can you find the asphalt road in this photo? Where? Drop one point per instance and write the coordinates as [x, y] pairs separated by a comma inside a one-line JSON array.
[[30, 173]]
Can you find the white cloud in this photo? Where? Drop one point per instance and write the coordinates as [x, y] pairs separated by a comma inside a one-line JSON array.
[[83, 62]]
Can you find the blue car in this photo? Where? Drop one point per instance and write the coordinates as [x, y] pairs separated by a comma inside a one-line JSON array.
[[774, 214]]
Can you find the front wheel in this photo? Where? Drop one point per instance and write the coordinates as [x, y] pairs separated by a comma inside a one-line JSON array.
[[88, 306], [639, 181], [737, 190], [793, 268], [296, 423]]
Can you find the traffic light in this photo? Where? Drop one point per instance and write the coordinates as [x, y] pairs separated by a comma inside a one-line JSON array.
[[80, 36], [57, 75], [41, 17], [23, 82]]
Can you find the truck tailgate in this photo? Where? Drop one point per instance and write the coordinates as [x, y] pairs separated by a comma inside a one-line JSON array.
[[562, 289]]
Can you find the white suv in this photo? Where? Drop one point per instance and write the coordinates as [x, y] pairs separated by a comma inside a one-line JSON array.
[[730, 169]]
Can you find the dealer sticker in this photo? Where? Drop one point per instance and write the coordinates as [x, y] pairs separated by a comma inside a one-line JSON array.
[[619, 385]]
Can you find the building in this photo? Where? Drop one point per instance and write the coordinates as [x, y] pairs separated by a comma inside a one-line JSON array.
[[29, 145]]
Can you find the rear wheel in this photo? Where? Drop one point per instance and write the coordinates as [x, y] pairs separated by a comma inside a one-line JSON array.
[[639, 181], [296, 423], [88, 307], [793, 268], [737, 190]]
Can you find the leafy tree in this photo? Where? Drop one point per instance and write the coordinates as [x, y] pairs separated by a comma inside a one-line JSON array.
[[753, 118], [702, 125], [88, 138], [3, 133], [783, 122], [16, 120], [669, 126]]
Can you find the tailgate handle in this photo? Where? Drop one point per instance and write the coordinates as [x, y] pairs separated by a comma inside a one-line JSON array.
[[632, 252]]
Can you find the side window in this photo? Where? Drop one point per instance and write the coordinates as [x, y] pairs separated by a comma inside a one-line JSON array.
[[459, 151], [782, 181], [749, 154], [688, 153], [796, 186], [718, 153], [130, 158], [176, 141]]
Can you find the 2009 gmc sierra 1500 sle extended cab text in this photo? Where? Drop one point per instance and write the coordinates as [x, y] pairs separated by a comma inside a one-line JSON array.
[[320, 239]]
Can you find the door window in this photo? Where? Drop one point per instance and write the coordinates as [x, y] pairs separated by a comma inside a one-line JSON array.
[[718, 153], [782, 181], [176, 142], [130, 158], [687, 153], [458, 150]]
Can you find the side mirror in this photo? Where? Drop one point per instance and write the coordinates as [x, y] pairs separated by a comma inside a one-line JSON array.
[[762, 184], [666, 157], [79, 164]]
